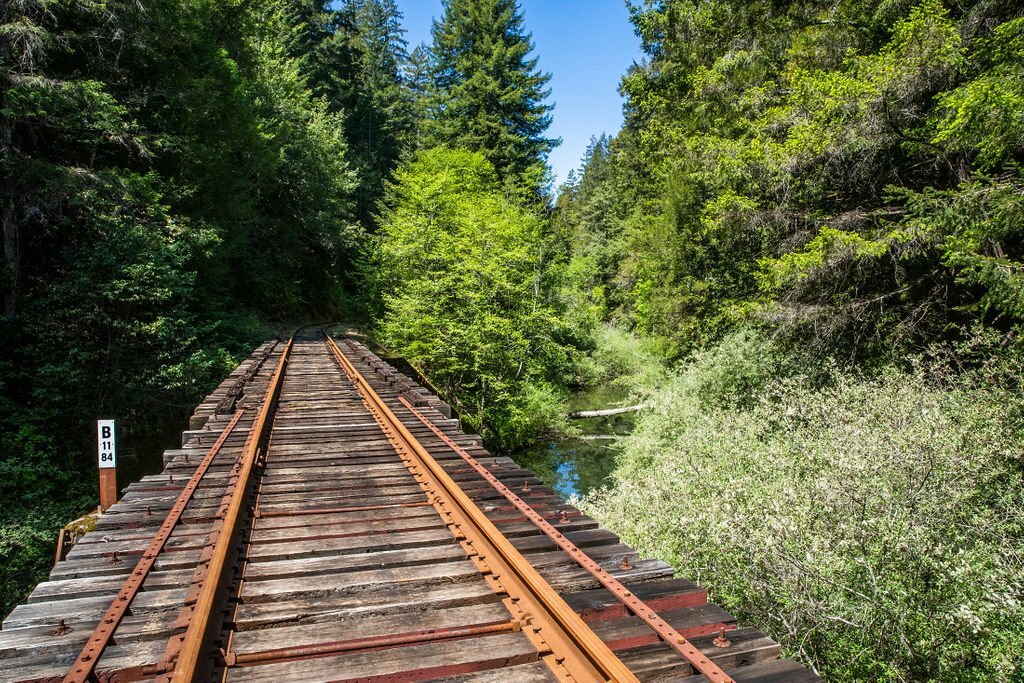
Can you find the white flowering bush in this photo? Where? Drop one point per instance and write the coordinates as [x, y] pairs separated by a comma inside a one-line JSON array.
[[873, 526]]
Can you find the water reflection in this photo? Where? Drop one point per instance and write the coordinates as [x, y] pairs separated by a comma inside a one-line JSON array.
[[571, 466], [576, 466]]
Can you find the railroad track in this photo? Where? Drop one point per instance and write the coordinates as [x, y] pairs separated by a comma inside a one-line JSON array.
[[330, 523]]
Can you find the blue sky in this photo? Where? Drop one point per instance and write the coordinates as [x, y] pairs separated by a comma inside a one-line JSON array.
[[586, 46]]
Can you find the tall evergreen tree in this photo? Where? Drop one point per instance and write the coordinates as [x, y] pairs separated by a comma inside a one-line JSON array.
[[490, 94], [417, 81], [378, 109], [354, 57], [310, 28]]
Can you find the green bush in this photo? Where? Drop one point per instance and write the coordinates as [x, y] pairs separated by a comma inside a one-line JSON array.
[[622, 358], [461, 271], [873, 525]]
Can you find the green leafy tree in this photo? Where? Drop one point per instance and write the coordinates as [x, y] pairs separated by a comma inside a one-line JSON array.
[[461, 270], [801, 165], [592, 214]]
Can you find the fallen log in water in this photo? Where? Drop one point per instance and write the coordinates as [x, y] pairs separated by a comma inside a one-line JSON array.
[[606, 412]]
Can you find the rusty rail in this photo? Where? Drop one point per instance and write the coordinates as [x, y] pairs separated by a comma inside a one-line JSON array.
[[568, 645], [186, 652], [697, 659], [84, 666]]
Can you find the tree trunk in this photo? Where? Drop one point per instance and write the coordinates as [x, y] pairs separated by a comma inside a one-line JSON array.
[[10, 230]]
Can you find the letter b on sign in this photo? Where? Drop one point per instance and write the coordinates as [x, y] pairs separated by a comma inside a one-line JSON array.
[[105, 437]]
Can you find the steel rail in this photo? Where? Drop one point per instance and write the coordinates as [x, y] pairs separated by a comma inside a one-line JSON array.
[[240, 584], [191, 648], [93, 649], [567, 644], [697, 659]]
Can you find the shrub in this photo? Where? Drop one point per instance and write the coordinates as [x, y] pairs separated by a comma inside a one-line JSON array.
[[873, 526], [620, 357]]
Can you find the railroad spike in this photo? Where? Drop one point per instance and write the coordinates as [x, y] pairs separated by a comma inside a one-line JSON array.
[[721, 641]]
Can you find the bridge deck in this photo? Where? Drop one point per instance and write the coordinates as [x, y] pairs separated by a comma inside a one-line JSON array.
[[352, 558]]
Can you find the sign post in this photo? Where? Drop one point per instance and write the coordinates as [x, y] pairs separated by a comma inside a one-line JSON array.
[[108, 463]]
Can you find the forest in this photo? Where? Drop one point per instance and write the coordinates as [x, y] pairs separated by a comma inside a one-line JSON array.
[[803, 253]]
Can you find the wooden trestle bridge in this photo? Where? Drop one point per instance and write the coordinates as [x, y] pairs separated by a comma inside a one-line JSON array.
[[326, 520]]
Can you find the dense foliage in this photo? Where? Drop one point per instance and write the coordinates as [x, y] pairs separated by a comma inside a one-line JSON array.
[[168, 179], [847, 172], [468, 282], [175, 172], [844, 180], [354, 57], [874, 525], [816, 207], [464, 276]]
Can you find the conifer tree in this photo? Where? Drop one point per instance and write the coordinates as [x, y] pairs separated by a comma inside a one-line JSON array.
[[354, 57], [416, 73], [490, 94], [377, 103], [311, 25]]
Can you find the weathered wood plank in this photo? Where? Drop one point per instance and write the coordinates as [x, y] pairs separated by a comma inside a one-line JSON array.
[[385, 600], [370, 625], [485, 653], [328, 576]]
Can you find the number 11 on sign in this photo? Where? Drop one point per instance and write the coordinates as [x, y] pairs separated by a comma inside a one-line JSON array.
[[105, 440]]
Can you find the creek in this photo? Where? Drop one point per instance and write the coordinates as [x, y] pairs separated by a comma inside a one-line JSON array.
[[578, 465]]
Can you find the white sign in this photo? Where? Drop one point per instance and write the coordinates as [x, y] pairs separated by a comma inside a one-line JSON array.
[[105, 438]]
